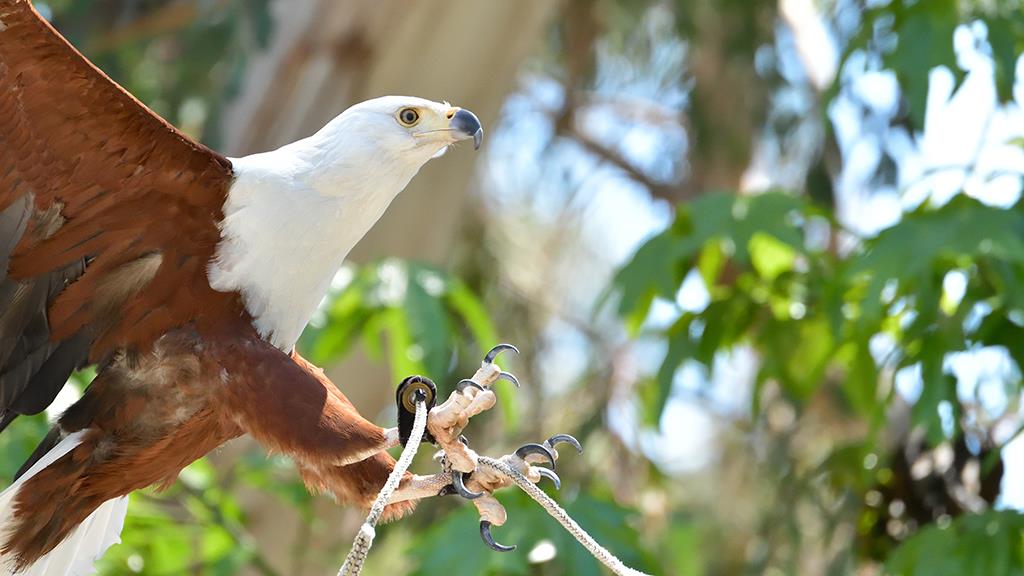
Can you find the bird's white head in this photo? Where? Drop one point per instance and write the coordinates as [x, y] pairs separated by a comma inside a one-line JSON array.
[[391, 136], [410, 125], [293, 214]]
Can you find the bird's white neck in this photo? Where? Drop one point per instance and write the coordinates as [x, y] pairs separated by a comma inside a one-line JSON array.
[[291, 217]]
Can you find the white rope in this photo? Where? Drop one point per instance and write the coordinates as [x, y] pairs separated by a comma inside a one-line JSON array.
[[364, 539], [599, 552]]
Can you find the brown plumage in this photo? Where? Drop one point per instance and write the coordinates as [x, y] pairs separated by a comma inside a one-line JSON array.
[[108, 219], [149, 417], [128, 186]]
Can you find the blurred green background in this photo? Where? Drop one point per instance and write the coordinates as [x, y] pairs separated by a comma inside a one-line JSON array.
[[764, 258]]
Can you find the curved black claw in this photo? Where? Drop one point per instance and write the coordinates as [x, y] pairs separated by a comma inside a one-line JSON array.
[[485, 533], [508, 376], [532, 448], [460, 486], [493, 352], [550, 475], [466, 383], [564, 438]]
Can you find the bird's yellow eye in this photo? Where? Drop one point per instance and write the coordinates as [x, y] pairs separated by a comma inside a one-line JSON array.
[[408, 116]]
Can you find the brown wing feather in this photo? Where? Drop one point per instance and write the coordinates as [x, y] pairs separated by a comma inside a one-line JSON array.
[[289, 405], [112, 247], [223, 385]]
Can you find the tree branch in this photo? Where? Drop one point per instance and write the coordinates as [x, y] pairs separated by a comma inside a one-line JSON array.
[[667, 192]]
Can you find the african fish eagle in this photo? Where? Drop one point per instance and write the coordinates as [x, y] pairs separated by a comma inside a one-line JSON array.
[[187, 277]]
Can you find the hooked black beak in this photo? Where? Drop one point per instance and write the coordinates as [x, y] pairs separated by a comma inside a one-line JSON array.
[[468, 125]]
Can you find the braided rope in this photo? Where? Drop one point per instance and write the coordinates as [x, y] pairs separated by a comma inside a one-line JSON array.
[[364, 539], [558, 513]]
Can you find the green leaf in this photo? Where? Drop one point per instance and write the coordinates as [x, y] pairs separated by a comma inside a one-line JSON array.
[[769, 256], [908, 251], [427, 320], [680, 348], [797, 354], [416, 309], [986, 544], [401, 352], [462, 300], [347, 316], [1004, 34], [937, 387], [17, 443], [861, 383], [660, 265], [648, 274], [712, 260], [434, 553], [614, 526], [998, 330], [924, 40], [685, 549]]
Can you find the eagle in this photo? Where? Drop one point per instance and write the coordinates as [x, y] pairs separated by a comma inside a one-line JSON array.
[[186, 277]]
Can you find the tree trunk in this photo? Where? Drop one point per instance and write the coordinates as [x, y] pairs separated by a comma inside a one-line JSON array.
[[727, 108]]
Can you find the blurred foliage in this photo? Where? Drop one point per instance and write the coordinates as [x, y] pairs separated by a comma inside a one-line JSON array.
[[612, 525], [412, 306], [912, 37], [820, 319], [746, 249], [185, 60], [834, 320], [986, 544], [774, 278], [423, 316]]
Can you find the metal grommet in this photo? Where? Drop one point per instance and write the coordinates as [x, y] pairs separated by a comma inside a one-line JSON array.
[[409, 394]]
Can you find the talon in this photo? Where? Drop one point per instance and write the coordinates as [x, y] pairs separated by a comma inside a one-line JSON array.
[[485, 533], [532, 448], [550, 475], [508, 376], [564, 438], [493, 353], [466, 383], [460, 486]]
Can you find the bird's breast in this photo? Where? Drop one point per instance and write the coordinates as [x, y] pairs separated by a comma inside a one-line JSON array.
[[280, 250]]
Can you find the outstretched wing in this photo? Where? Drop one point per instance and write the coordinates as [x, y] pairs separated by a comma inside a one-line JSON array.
[[108, 217]]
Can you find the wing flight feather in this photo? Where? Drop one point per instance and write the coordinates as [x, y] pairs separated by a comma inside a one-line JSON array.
[[108, 215]]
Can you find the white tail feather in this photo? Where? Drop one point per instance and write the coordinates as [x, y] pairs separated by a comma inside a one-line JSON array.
[[84, 545]]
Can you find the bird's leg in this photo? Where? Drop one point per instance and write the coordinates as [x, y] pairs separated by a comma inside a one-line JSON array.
[[472, 396], [416, 487], [461, 475], [445, 422]]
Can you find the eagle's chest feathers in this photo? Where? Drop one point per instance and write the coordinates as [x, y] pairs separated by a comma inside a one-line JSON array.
[[287, 228]]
